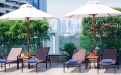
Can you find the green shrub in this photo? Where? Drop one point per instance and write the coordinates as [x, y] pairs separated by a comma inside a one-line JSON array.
[[68, 49]]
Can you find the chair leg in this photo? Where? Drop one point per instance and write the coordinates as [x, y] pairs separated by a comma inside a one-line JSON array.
[[85, 65], [9, 64], [98, 67], [118, 66], [50, 63], [115, 69], [79, 68], [64, 68], [1, 65], [28, 65], [46, 64], [67, 66], [36, 68], [17, 63], [5, 67], [22, 66]]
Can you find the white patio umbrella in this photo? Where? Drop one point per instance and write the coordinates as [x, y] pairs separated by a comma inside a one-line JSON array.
[[92, 9], [27, 12]]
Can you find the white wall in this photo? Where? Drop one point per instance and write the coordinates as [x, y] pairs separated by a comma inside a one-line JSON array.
[[53, 43]]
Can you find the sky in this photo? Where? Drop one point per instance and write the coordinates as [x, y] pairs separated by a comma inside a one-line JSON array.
[[59, 8]]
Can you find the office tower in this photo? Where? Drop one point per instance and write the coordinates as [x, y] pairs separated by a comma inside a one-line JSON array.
[[43, 5], [69, 26], [39, 4], [63, 27], [59, 26]]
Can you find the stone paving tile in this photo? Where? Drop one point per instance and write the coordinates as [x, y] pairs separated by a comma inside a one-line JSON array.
[[56, 69]]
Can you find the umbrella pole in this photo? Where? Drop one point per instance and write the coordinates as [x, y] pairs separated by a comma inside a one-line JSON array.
[[28, 34], [94, 32]]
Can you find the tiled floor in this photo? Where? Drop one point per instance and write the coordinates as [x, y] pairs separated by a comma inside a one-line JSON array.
[[56, 69]]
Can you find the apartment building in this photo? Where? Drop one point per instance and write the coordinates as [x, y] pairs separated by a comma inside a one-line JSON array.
[[7, 6]]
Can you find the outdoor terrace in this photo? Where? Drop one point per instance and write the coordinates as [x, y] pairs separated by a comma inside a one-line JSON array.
[[56, 69]]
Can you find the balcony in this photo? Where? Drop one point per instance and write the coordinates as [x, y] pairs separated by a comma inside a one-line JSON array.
[[12, 4], [2, 1], [22, 1], [9, 9]]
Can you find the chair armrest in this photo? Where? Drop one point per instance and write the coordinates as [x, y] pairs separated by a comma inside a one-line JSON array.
[[118, 58], [47, 57], [85, 57]]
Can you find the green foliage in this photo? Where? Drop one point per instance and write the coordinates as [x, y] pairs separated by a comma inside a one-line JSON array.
[[40, 28], [18, 30], [86, 39], [32, 51], [86, 42], [68, 48], [14, 33], [74, 38], [86, 26], [107, 33]]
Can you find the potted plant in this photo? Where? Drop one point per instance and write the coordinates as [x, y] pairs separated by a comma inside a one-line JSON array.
[[68, 50]]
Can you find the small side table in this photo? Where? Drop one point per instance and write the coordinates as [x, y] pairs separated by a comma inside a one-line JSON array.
[[22, 59], [94, 58]]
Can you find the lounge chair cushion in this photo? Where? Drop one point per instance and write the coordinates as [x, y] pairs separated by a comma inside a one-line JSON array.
[[32, 61], [73, 61], [3, 60], [107, 60]]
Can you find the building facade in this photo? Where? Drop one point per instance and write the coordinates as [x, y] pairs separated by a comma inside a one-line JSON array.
[[2, 10], [7, 6], [39, 4], [59, 26], [63, 30]]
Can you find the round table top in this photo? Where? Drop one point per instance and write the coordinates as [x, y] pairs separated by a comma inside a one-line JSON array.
[[92, 57]]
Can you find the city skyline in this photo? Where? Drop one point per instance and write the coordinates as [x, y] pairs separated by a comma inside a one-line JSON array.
[[59, 8], [65, 27]]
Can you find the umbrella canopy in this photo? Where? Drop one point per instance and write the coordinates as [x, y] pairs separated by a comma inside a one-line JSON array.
[[27, 12], [93, 9]]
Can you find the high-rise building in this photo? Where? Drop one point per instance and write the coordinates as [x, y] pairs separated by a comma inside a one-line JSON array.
[[63, 27], [39, 4], [7, 6], [2, 10], [43, 5], [69, 26], [59, 26]]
